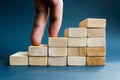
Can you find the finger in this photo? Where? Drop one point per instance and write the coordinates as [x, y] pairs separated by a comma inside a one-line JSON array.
[[39, 22], [56, 11]]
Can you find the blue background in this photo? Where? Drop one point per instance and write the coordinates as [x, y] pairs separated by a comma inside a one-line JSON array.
[[16, 21]]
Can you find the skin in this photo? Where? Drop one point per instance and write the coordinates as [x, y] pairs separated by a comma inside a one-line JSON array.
[[45, 9]]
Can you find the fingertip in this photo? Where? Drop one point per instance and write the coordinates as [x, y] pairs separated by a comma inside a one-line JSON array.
[[35, 42], [53, 34]]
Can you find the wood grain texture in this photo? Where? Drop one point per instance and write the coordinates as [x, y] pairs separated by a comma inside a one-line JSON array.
[[75, 32], [38, 61], [96, 42], [96, 61], [77, 42], [82, 51], [57, 42], [76, 61], [57, 61], [96, 51], [41, 50], [93, 23], [96, 32], [75, 51], [19, 58], [57, 51]]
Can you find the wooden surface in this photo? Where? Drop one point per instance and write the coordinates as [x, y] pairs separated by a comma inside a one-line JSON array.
[[93, 23], [72, 51], [96, 32], [57, 51], [41, 50], [57, 61], [38, 61], [96, 51], [96, 42], [76, 61], [19, 58], [57, 42], [96, 61], [75, 32], [77, 42]]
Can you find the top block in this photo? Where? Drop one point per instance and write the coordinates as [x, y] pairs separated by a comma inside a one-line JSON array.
[[93, 23], [38, 50], [57, 42], [75, 32]]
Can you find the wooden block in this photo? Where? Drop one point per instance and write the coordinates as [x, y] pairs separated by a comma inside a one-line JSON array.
[[38, 50], [57, 42], [57, 61], [82, 51], [96, 51], [96, 42], [77, 51], [57, 51], [73, 51], [93, 23], [96, 33], [19, 58], [76, 61], [75, 32], [38, 61], [96, 61], [77, 42]]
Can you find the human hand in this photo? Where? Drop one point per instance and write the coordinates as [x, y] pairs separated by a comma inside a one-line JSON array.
[[44, 9]]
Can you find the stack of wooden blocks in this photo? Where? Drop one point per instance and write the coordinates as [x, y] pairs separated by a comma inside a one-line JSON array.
[[96, 41], [79, 47]]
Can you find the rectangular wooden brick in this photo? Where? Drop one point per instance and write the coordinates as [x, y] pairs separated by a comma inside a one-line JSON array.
[[76, 61], [82, 51], [96, 42], [41, 50], [93, 23], [96, 33], [96, 51], [75, 51], [77, 42], [19, 58], [96, 61], [57, 61], [57, 51], [38, 61], [75, 32], [57, 42]]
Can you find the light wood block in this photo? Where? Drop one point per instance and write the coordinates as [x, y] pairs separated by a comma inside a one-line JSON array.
[[57, 42], [93, 23], [19, 58], [82, 51], [38, 50], [77, 42], [96, 51], [96, 42], [57, 61], [73, 51], [96, 33], [96, 61], [77, 51], [38, 61], [57, 51], [75, 32], [76, 61]]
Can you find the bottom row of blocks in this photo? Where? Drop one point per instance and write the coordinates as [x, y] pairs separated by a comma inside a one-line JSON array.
[[21, 58]]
